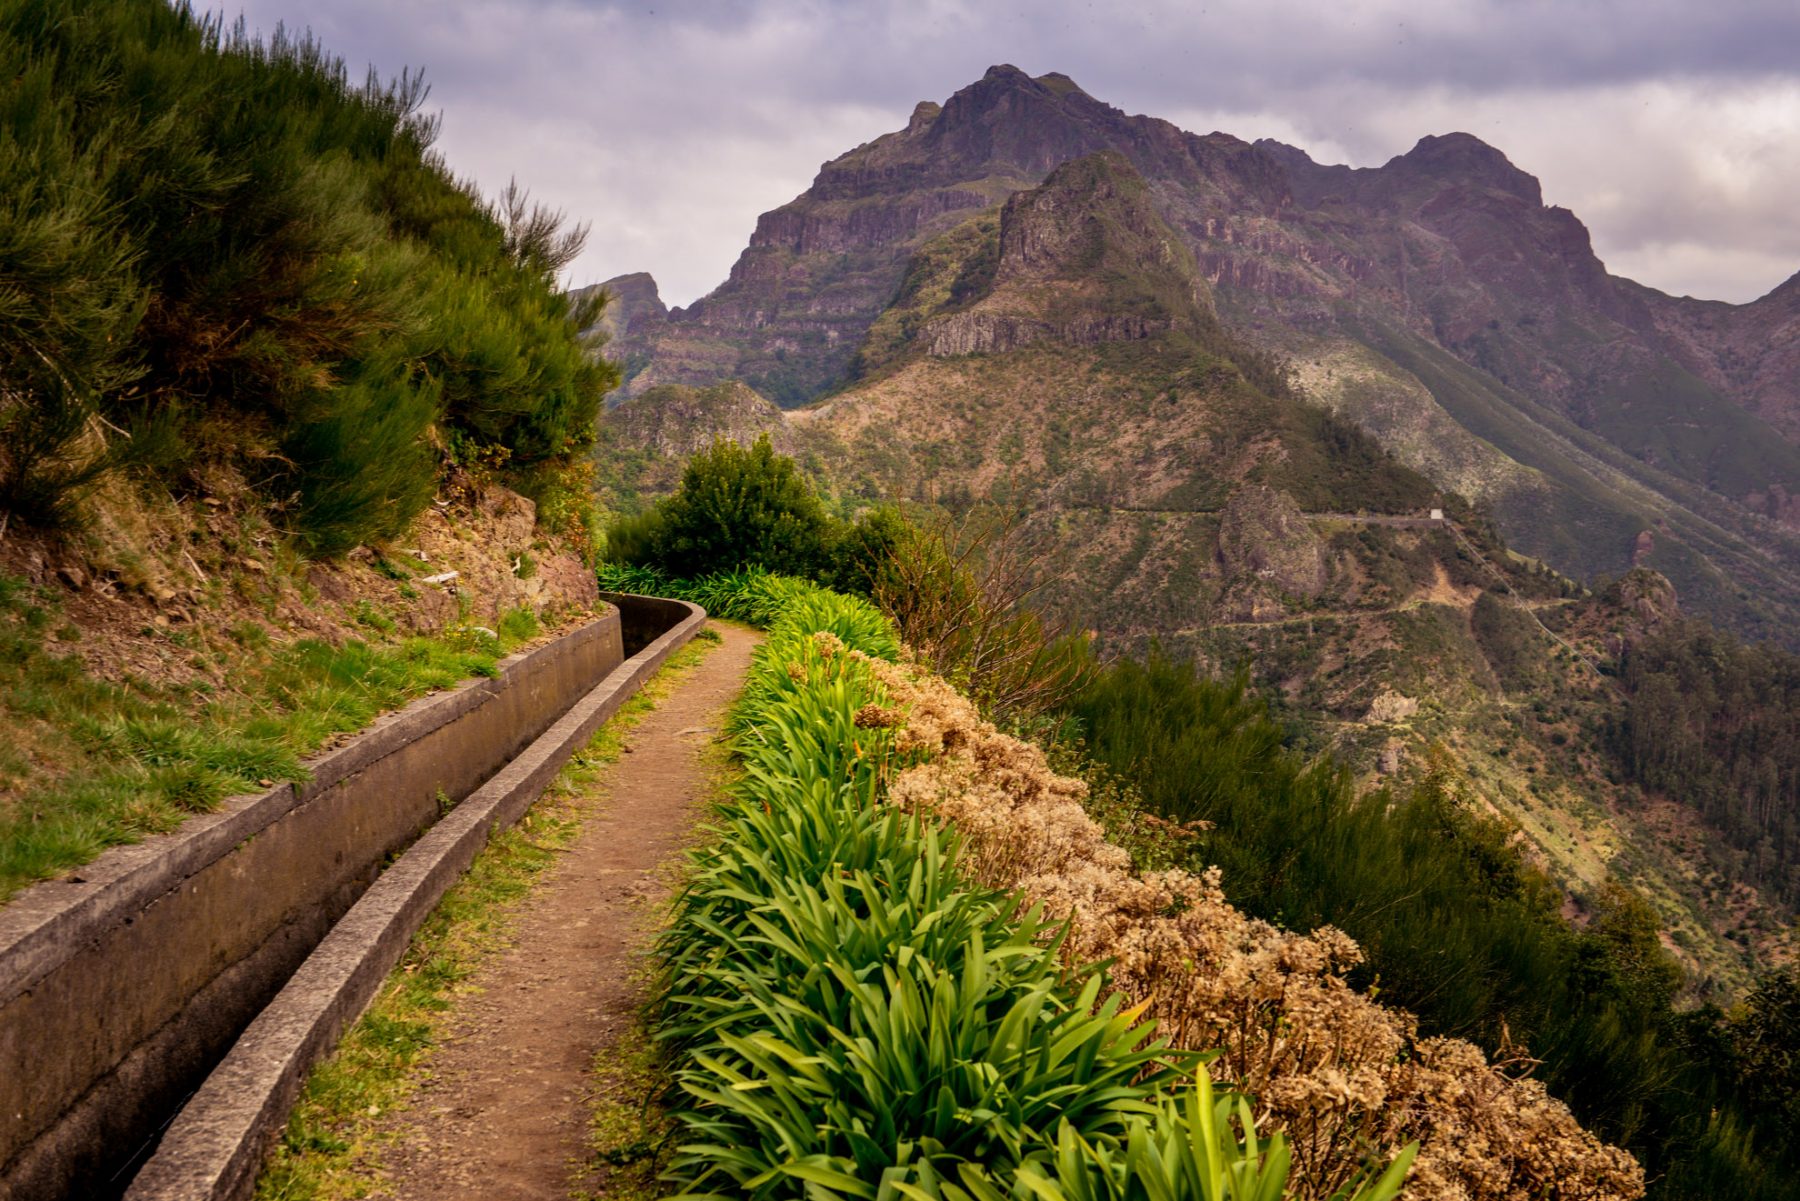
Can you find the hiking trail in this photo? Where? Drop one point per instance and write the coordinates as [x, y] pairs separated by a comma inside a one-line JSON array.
[[503, 1114]]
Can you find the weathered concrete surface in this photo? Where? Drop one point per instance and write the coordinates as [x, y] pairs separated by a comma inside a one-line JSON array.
[[119, 991], [216, 1145]]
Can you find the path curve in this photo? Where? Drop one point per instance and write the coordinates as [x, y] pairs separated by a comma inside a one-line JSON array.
[[502, 1117]]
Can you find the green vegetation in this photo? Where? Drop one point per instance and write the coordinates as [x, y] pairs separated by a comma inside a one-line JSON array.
[[1715, 724], [332, 1144], [630, 1131], [851, 1018], [747, 507], [1457, 927], [1599, 498], [136, 758], [217, 253]]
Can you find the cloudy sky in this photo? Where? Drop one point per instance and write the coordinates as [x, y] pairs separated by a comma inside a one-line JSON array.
[[1671, 128]]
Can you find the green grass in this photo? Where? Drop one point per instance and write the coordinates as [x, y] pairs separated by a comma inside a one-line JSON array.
[[93, 764], [332, 1146]]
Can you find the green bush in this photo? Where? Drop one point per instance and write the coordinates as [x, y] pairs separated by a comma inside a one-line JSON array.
[[199, 229], [736, 507]]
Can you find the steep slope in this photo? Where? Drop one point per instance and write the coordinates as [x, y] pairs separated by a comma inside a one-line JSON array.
[[1434, 300], [646, 439], [819, 270]]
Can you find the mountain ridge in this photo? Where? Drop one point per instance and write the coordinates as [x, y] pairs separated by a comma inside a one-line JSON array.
[[1586, 410]]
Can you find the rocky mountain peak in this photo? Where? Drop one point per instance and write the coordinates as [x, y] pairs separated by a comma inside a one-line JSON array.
[[1008, 122], [635, 306], [636, 294], [1091, 213], [1463, 158]]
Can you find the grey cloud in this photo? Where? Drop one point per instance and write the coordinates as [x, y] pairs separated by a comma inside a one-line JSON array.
[[670, 125]]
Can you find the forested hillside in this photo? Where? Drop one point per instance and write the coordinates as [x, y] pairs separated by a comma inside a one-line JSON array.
[[1715, 724]]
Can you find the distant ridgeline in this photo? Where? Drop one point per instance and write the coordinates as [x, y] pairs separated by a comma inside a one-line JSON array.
[[217, 255]]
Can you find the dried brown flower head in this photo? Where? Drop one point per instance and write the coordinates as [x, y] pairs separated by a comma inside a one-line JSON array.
[[1339, 1073]]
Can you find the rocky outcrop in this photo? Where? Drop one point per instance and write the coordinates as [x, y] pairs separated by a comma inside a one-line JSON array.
[[1084, 258], [1646, 596], [1390, 707], [633, 305], [1264, 536]]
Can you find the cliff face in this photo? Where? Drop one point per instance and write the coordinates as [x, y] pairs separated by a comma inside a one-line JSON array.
[[676, 421], [645, 440], [1082, 259], [819, 270], [1435, 300]]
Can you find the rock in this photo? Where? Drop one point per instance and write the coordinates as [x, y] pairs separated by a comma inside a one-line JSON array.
[[514, 517], [1647, 596], [73, 576], [1391, 757], [329, 583], [1083, 259], [1391, 707]]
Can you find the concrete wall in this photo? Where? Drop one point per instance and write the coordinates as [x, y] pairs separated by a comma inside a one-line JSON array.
[[214, 1148], [122, 986]]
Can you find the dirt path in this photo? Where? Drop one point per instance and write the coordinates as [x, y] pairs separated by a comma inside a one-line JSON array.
[[502, 1118]]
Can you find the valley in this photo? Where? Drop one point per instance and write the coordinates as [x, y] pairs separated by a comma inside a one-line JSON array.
[[1068, 359]]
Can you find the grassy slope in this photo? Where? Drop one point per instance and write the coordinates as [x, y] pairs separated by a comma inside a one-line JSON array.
[[126, 709]]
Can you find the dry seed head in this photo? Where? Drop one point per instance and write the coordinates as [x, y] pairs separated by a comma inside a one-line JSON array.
[[1326, 1064], [875, 717]]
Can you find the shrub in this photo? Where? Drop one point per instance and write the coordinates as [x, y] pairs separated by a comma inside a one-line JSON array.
[[959, 594], [200, 230], [863, 551], [736, 507]]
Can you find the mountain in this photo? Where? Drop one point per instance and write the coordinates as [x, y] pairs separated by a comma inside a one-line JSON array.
[[1289, 420], [1435, 301], [1069, 353]]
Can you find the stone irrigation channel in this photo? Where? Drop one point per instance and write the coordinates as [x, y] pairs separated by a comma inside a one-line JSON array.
[[160, 1008]]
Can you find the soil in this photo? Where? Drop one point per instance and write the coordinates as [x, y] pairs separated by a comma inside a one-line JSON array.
[[504, 1115], [154, 588]]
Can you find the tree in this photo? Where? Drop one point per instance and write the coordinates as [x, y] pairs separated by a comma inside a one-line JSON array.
[[739, 507]]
